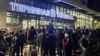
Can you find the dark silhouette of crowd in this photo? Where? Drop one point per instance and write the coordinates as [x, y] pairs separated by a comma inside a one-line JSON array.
[[52, 42]]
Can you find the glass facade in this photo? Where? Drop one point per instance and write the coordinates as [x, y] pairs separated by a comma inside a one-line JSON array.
[[12, 23], [82, 19]]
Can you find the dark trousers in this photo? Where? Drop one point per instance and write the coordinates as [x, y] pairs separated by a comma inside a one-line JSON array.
[[17, 50], [52, 51], [68, 52], [60, 51], [44, 51], [2, 54]]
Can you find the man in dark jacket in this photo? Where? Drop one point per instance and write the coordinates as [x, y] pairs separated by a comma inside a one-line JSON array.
[[51, 44], [61, 36], [51, 39], [44, 43], [75, 42], [19, 43]]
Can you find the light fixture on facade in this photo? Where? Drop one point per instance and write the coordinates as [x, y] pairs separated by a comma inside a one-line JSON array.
[[91, 19], [95, 21]]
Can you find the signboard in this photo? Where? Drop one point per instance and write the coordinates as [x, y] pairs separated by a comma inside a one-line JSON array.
[[38, 11]]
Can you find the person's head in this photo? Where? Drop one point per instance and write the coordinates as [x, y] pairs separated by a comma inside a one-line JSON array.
[[84, 27], [2, 34], [78, 28], [66, 29], [32, 27], [21, 31], [43, 30], [66, 35], [50, 23]]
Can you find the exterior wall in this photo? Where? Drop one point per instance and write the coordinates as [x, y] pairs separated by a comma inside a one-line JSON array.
[[2, 19], [4, 4], [3, 12]]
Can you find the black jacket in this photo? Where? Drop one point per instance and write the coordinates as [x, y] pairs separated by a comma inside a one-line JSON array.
[[3, 45], [20, 39]]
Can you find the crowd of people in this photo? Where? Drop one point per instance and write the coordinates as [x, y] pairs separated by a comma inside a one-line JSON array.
[[64, 42]]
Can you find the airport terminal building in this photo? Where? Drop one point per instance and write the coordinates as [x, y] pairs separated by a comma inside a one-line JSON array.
[[23, 14]]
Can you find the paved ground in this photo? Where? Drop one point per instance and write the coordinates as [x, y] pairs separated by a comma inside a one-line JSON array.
[[27, 49]]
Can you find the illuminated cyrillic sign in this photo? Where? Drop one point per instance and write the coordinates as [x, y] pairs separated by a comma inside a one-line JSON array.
[[34, 10]]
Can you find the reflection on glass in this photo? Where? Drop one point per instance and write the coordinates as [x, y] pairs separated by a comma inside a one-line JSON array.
[[61, 10], [57, 9], [65, 11], [32, 23], [25, 25], [8, 20], [68, 11], [42, 22]]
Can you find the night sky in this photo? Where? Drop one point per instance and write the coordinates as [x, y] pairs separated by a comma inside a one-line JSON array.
[[94, 4]]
